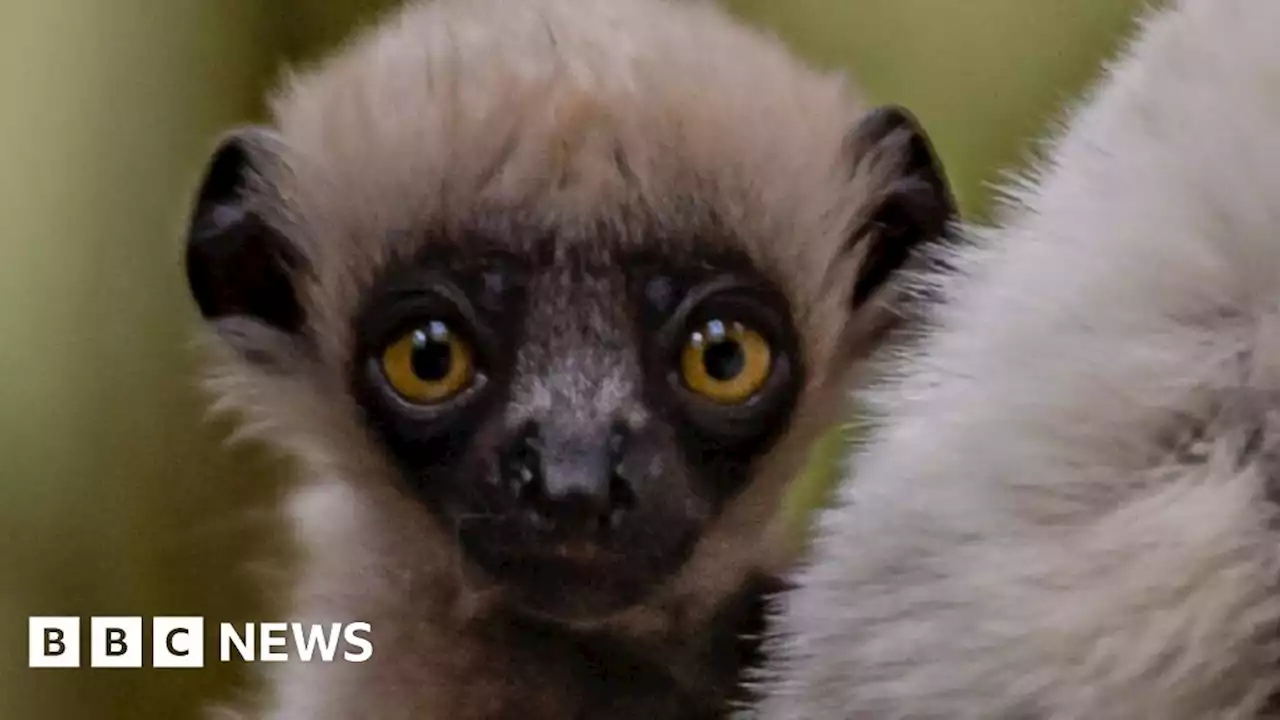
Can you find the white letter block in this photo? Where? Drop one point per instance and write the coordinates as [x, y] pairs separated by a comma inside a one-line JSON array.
[[115, 642], [53, 642], [177, 642]]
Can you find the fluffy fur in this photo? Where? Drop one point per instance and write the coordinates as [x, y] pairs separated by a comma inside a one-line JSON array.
[[633, 120], [1070, 510]]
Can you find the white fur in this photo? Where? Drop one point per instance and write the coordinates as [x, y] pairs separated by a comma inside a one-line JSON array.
[[1070, 511]]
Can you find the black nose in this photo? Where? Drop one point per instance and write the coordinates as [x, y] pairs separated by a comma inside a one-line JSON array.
[[570, 484]]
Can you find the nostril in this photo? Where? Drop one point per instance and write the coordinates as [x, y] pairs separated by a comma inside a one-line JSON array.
[[522, 464], [621, 499], [622, 494]]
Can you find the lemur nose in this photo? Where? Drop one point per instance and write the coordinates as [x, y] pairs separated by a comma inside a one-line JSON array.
[[571, 484]]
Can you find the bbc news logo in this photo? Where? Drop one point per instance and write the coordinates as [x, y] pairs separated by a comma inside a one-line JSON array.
[[178, 642]]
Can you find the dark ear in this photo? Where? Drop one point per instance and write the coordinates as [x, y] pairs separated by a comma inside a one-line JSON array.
[[238, 266], [912, 204]]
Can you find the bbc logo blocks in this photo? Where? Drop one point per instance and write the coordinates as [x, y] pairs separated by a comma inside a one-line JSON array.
[[116, 642], [179, 642]]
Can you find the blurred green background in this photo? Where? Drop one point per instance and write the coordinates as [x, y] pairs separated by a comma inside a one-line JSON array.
[[114, 497]]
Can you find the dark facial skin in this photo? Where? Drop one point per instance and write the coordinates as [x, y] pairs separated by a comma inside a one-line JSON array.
[[569, 480]]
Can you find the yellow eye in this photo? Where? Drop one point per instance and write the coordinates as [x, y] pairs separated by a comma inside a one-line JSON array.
[[726, 362], [428, 364]]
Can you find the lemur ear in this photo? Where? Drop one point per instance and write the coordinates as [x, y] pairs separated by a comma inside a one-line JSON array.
[[910, 206], [237, 265]]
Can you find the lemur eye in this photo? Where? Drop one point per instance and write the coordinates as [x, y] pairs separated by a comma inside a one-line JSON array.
[[428, 364], [726, 363]]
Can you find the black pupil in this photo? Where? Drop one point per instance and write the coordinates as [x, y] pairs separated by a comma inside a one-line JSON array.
[[432, 356], [724, 360]]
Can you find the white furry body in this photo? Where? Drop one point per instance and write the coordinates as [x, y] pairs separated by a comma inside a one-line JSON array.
[[1071, 509]]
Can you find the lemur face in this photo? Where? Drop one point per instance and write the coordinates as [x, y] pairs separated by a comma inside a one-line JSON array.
[[577, 413]]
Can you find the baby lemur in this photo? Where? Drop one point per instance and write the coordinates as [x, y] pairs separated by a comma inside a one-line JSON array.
[[1072, 509], [549, 298]]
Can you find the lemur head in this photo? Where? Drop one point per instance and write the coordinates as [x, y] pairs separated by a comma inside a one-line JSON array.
[[561, 294]]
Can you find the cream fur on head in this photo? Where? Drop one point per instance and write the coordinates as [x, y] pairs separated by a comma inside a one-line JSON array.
[[1071, 508]]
